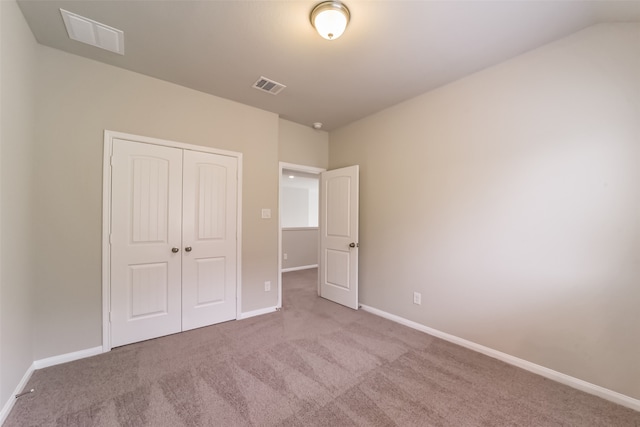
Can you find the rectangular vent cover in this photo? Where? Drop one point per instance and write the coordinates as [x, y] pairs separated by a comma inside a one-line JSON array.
[[94, 33], [267, 85]]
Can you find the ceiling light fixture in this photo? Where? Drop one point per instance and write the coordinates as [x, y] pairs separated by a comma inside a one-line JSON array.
[[330, 18]]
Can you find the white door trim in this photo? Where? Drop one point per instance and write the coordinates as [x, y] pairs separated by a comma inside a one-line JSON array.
[[299, 168], [109, 136]]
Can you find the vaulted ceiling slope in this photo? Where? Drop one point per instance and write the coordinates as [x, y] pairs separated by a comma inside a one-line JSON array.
[[390, 52]]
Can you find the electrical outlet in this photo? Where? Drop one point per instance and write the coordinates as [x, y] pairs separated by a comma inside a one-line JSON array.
[[267, 286], [286, 257], [417, 298]]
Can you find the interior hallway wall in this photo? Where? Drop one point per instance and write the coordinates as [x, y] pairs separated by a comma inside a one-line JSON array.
[[300, 246], [302, 145]]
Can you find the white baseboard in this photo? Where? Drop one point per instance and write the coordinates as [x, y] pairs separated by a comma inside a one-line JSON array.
[[6, 409], [254, 313], [69, 357], [45, 363], [303, 267], [573, 382]]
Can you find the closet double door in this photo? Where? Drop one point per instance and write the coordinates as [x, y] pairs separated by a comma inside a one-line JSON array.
[[173, 240]]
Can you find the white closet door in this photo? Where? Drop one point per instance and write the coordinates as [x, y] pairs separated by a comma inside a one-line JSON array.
[[145, 241], [208, 239]]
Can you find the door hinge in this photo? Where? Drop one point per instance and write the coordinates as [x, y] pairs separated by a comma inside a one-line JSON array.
[[109, 317], [111, 238]]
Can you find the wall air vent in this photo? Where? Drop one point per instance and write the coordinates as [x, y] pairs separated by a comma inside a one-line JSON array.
[[267, 85], [94, 33]]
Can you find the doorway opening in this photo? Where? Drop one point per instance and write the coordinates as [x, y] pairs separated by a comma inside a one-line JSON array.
[[298, 214]]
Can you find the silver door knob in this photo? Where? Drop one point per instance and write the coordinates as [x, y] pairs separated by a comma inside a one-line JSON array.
[[175, 250], [188, 249], [352, 245]]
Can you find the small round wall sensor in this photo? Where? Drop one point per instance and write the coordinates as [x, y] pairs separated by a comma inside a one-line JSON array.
[[317, 125]]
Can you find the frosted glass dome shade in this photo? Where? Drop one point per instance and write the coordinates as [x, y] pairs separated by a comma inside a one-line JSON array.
[[330, 19]]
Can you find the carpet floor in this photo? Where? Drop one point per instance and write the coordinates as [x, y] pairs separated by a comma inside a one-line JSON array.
[[315, 363]]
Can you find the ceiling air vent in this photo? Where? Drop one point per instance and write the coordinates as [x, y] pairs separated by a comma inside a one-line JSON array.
[[266, 85], [88, 31]]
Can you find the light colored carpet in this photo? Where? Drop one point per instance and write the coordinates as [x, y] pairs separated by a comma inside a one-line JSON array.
[[315, 363]]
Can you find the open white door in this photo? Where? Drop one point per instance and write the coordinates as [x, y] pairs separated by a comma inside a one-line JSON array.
[[339, 236]]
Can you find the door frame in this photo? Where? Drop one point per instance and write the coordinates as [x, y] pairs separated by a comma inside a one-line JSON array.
[[109, 136], [298, 168]]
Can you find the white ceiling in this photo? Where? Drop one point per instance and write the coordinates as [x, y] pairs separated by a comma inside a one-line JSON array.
[[305, 180], [390, 52]]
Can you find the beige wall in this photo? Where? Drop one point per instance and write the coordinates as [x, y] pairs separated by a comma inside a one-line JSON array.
[[301, 247], [17, 117], [303, 145], [77, 100], [510, 199]]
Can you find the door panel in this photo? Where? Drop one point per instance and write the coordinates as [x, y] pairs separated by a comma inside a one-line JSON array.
[[148, 288], [209, 268], [211, 200], [338, 268], [149, 195], [338, 219], [211, 280], [146, 217], [339, 236]]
